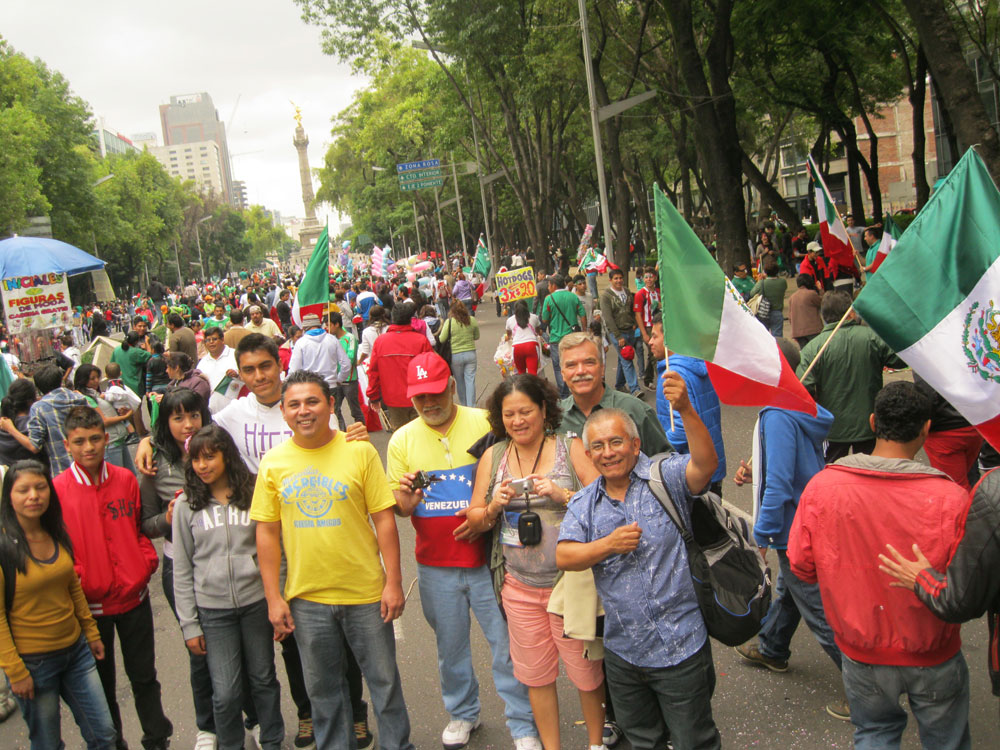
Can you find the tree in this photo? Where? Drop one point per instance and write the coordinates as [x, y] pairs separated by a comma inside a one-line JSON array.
[[47, 123], [954, 80]]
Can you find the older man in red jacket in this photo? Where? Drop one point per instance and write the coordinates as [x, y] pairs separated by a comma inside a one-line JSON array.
[[390, 360], [891, 643]]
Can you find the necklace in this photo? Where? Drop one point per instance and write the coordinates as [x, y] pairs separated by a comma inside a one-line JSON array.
[[538, 457]]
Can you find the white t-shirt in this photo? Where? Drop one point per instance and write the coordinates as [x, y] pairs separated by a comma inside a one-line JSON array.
[[520, 335], [368, 337], [215, 370]]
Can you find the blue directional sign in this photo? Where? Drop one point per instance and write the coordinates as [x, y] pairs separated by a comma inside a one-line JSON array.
[[411, 165]]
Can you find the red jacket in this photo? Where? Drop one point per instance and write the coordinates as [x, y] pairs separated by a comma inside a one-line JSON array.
[[847, 514], [113, 558], [391, 355]]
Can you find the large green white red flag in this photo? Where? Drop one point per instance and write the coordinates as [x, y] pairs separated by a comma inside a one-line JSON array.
[[313, 294], [936, 298], [836, 244], [705, 316]]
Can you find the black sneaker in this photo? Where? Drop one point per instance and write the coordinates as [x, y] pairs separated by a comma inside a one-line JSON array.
[[362, 734], [304, 739]]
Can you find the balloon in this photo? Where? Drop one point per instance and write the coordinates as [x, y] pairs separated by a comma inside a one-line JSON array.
[[422, 266]]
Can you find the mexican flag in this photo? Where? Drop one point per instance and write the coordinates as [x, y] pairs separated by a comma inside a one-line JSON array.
[[836, 245], [594, 261], [890, 235], [705, 317], [482, 262], [936, 299], [313, 294]]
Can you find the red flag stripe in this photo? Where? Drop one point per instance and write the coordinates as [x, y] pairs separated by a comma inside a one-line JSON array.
[[738, 390]]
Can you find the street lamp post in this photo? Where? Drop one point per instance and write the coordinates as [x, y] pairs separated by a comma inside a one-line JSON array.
[[197, 237]]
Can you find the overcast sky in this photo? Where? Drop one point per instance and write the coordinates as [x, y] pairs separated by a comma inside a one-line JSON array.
[[127, 58]]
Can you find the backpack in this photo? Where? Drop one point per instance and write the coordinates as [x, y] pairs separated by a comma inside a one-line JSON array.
[[731, 579], [762, 308]]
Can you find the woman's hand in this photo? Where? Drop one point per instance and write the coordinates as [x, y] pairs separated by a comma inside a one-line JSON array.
[[169, 515], [545, 487], [97, 649], [6, 424], [503, 493], [24, 688], [196, 645]]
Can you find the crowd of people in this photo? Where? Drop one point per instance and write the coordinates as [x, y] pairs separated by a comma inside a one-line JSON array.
[[278, 517]]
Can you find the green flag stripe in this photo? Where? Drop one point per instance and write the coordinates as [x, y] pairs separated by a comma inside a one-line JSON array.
[[692, 284], [938, 259], [316, 282]]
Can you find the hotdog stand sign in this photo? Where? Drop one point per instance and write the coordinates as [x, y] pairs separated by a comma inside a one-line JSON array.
[[36, 302], [514, 285]]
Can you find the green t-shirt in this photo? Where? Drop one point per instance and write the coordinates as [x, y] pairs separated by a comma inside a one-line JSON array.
[[131, 362], [562, 310], [743, 286]]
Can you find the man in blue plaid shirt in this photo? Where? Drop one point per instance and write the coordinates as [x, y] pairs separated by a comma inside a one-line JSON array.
[[47, 416]]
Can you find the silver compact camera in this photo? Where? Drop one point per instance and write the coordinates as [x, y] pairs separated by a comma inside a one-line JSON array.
[[523, 486]]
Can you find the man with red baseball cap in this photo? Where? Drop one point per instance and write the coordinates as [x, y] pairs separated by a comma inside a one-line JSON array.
[[431, 474]]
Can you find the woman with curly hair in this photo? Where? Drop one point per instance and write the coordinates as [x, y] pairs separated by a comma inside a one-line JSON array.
[[523, 485], [218, 590]]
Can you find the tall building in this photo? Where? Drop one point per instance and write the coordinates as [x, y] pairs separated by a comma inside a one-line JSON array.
[[111, 141], [200, 161], [240, 195], [193, 119], [145, 140]]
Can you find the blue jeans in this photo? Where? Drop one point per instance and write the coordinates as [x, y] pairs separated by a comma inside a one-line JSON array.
[[676, 702], [938, 697], [626, 368], [321, 631], [592, 284], [463, 367], [556, 370], [70, 673], [119, 455], [238, 639], [795, 600], [776, 323], [201, 680], [446, 596]]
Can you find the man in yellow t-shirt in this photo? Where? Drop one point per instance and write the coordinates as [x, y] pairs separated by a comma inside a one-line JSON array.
[[314, 495]]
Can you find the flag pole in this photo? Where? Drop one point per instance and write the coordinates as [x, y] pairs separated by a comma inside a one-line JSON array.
[[826, 343], [666, 369]]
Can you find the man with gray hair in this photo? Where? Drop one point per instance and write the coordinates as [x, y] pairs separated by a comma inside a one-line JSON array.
[[320, 352], [658, 657], [582, 358]]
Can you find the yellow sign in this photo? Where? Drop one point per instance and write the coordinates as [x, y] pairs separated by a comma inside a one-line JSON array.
[[514, 285]]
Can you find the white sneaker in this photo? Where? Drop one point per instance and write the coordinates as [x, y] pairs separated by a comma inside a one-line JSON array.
[[255, 733], [599, 747], [205, 741], [528, 743], [456, 734]]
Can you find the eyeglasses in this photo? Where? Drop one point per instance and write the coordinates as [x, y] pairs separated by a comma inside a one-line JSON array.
[[615, 443]]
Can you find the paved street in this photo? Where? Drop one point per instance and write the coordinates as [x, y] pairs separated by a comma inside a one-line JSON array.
[[754, 708]]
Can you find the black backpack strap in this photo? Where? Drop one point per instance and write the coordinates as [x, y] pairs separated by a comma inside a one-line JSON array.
[[660, 493]]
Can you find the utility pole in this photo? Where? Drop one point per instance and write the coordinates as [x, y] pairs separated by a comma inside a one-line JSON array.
[[595, 125], [177, 260], [416, 226], [458, 201], [444, 248]]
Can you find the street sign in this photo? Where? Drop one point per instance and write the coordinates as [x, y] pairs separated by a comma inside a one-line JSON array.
[[412, 165], [434, 182], [419, 174]]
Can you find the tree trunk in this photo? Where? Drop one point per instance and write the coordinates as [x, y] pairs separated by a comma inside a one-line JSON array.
[[715, 117], [769, 193], [956, 83], [918, 97]]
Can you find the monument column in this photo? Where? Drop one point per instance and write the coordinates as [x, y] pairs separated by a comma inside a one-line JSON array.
[[311, 231]]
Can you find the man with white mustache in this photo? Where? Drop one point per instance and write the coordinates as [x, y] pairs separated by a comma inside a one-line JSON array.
[[583, 370]]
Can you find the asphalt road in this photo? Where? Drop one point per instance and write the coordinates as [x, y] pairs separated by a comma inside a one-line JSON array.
[[753, 707]]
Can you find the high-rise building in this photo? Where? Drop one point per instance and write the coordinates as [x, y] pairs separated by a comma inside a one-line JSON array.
[[193, 119], [111, 141], [199, 161], [147, 139], [240, 195]]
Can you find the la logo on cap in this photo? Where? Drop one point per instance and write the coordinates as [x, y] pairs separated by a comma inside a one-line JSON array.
[[421, 373]]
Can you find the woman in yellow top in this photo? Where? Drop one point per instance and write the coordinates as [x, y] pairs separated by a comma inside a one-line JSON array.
[[48, 638]]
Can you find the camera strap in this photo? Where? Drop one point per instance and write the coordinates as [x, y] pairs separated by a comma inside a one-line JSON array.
[[538, 457]]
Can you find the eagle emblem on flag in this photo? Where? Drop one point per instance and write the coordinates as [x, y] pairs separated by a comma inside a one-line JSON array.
[[981, 341]]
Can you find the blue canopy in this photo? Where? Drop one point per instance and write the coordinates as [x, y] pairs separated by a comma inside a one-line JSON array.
[[30, 256]]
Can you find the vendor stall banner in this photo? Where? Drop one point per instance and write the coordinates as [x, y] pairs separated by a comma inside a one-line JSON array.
[[36, 302]]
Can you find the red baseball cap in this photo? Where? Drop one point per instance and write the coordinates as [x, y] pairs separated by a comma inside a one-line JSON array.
[[427, 373]]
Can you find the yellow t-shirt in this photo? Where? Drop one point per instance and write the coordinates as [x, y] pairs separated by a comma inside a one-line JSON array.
[[323, 498], [414, 447]]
